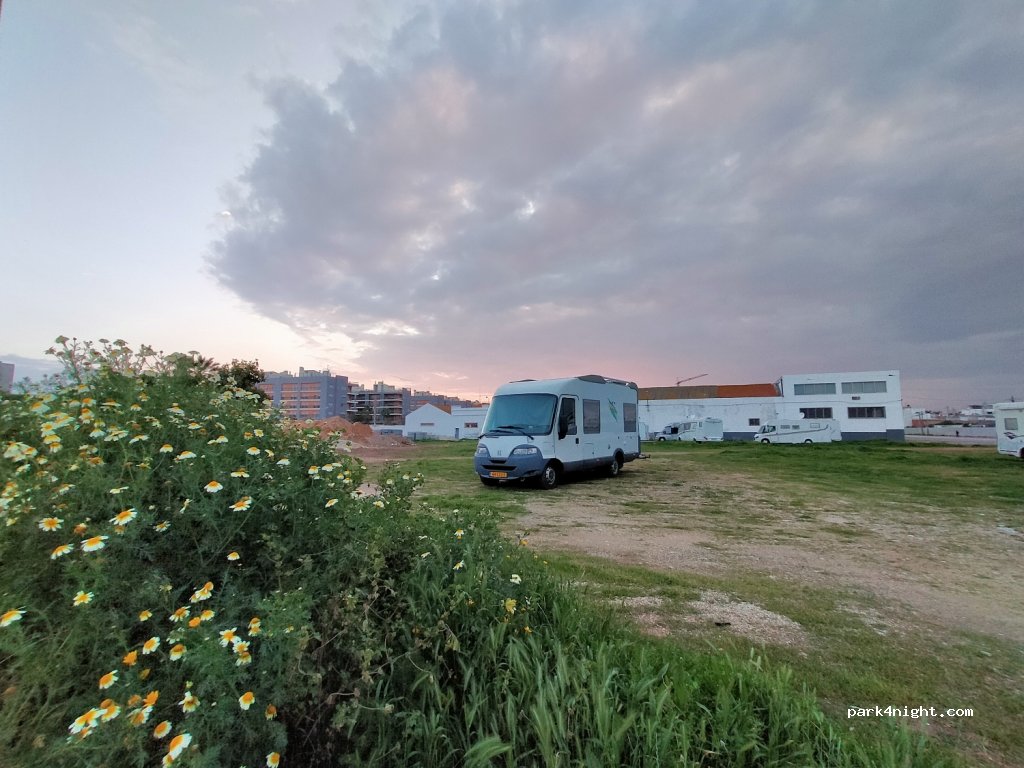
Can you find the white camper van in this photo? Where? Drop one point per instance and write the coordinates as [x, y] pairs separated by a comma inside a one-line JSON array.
[[697, 430], [799, 431], [1009, 428], [541, 429]]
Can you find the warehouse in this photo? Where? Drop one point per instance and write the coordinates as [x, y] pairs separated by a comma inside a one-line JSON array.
[[867, 404], [446, 422]]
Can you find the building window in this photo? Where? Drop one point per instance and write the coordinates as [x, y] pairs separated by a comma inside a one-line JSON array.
[[470, 425], [816, 413], [591, 417], [866, 413], [753, 422], [1010, 423], [863, 387], [629, 417], [427, 424], [814, 389]]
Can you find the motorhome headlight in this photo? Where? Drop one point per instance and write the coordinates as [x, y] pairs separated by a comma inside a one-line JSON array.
[[526, 450], [481, 450]]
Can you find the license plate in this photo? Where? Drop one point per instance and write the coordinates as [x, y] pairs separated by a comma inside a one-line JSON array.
[[499, 474]]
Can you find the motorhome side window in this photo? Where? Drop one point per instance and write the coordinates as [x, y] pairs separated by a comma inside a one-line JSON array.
[[1010, 422], [591, 417], [567, 417], [629, 417]]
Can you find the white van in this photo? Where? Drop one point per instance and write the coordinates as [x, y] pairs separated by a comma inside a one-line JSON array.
[[541, 429], [1009, 428], [799, 431], [697, 430]]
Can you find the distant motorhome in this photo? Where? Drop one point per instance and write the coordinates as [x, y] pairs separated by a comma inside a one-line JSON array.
[[799, 431], [1009, 428], [696, 430], [540, 430]]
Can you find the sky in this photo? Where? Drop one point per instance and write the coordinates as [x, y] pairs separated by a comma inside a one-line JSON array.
[[451, 195]]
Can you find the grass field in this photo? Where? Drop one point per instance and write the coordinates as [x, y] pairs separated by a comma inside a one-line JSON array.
[[882, 574]]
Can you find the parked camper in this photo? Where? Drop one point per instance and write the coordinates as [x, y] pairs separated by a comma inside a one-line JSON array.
[[1009, 428], [799, 431], [541, 429], [697, 430]]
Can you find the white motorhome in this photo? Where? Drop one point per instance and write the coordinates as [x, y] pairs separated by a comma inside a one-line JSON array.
[[1009, 428], [799, 431], [539, 430], [697, 430]]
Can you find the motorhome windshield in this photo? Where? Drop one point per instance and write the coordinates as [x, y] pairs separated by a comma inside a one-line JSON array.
[[529, 414]]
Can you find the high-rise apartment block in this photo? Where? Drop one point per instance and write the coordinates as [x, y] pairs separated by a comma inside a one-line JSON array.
[[6, 377], [310, 395], [379, 404]]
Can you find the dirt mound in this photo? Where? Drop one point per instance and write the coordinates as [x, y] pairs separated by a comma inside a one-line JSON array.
[[357, 433]]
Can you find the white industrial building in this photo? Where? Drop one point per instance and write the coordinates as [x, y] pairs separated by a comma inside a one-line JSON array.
[[867, 404], [429, 422]]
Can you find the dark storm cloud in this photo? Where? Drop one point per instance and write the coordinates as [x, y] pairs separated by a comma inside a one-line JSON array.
[[763, 189]]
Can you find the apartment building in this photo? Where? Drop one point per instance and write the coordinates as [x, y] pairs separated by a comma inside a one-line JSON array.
[[6, 377], [310, 395], [379, 404]]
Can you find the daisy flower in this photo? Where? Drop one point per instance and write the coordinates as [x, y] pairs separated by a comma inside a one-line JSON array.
[[330, 503], [252, 450], [94, 543], [151, 698], [108, 680], [516, 579], [110, 710], [130, 659], [459, 533], [124, 516], [118, 491], [510, 605], [60, 551], [255, 625], [246, 700], [203, 593], [271, 712], [217, 440], [50, 524], [206, 615], [184, 455], [88, 720], [189, 703], [378, 504], [139, 716], [233, 556], [229, 637], [145, 615], [162, 526], [11, 616], [162, 730], [242, 504], [273, 760], [179, 614], [150, 645], [80, 528], [194, 622], [459, 565], [166, 448], [82, 598], [240, 472], [177, 745], [177, 652], [213, 487], [283, 462]]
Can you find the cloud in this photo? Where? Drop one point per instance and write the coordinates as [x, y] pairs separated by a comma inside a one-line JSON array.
[[520, 188]]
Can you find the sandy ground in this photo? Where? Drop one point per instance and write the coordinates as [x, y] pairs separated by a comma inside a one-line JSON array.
[[932, 571]]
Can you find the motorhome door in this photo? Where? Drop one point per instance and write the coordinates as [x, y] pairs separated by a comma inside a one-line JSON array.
[[568, 447]]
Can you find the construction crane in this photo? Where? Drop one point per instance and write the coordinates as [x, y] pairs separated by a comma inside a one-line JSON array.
[[691, 378]]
